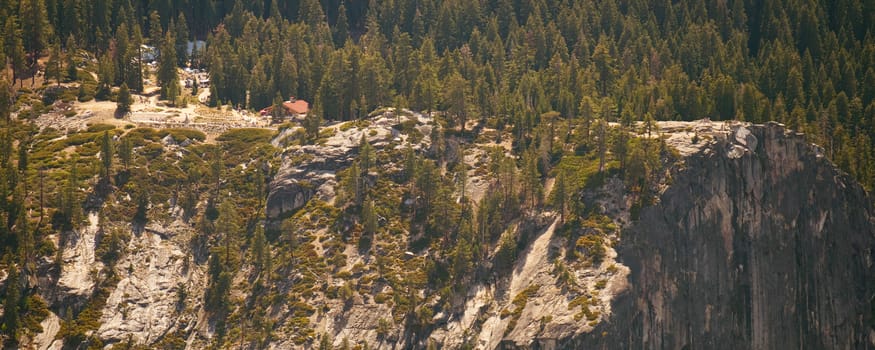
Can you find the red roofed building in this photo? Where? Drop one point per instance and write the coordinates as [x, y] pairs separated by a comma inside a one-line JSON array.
[[295, 106]]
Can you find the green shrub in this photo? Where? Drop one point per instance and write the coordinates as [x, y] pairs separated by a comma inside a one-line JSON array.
[[139, 136], [246, 135], [591, 247], [519, 302], [99, 127], [180, 135], [52, 94], [151, 150], [87, 91]]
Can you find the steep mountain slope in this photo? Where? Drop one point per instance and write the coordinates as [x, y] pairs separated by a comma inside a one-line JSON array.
[[755, 240], [755, 236], [759, 243]]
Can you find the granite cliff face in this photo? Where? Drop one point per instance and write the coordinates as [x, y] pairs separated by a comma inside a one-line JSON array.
[[759, 243], [756, 241]]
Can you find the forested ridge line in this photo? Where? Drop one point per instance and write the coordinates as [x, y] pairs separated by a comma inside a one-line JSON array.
[[808, 64]]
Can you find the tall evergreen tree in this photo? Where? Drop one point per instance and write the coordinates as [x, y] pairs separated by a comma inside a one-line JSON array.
[[457, 96], [11, 315], [5, 99], [35, 28], [135, 60], [54, 67], [105, 75], [106, 153], [369, 218], [124, 100], [72, 50], [120, 54], [156, 31], [14, 47], [125, 151], [167, 75], [181, 42], [341, 27], [311, 13], [260, 250], [560, 195]]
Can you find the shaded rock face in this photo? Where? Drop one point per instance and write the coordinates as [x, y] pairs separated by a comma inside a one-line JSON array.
[[759, 243], [286, 196]]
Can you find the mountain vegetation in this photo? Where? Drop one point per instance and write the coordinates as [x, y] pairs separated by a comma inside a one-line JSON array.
[[574, 88]]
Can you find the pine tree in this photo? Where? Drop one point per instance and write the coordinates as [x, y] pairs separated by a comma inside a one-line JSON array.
[[228, 224], [260, 251], [167, 76], [456, 96], [331, 90], [352, 185], [278, 112], [369, 218], [124, 101], [259, 86], [11, 315], [141, 214], [121, 59], [54, 68], [71, 51], [426, 89], [285, 77], [325, 342], [35, 27], [181, 43], [366, 155], [72, 209], [376, 78], [106, 152], [560, 195], [460, 177], [15, 49], [601, 135], [341, 28], [620, 146], [533, 190], [135, 75], [125, 151], [105, 74], [311, 13], [312, 122], [604, 63], [5, 100], [155, 29]]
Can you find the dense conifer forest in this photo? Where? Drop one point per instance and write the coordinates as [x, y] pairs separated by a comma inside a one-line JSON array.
[[806, 64]]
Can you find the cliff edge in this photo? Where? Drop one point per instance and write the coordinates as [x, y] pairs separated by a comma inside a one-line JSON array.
[[758, 243]]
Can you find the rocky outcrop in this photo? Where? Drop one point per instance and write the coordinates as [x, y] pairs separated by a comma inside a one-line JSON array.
[[159, 291], [759, 243], [532, 307], [310, 171], [287, 195], [79, 269]]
